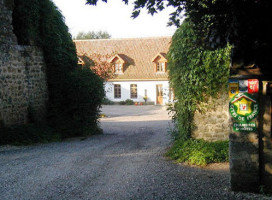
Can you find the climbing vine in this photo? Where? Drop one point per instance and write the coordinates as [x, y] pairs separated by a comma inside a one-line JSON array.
[[196, 74], [75, 94]]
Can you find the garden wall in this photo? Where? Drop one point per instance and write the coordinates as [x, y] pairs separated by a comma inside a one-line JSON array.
[[213, 123], [23, 88]]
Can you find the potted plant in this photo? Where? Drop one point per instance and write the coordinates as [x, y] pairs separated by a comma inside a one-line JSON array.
[[145, 99]]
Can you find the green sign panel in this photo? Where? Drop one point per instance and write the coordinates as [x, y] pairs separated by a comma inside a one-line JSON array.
[[244, 127], [243, 107]]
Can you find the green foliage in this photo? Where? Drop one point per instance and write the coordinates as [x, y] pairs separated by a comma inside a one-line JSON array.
[[199, 152], [127, 102], [86, 93], [92, 35], [74, 95], [219, 22], [28, 134], [122, 103], [29, 20], [106, 101], [195, 75]]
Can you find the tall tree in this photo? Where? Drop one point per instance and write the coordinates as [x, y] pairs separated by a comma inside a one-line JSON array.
[[242, 23], [92, 35]]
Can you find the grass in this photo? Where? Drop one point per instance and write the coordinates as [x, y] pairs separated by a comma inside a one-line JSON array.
[[199, 152]]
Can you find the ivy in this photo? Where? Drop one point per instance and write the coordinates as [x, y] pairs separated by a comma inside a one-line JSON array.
[[196, 74], [75, 95]]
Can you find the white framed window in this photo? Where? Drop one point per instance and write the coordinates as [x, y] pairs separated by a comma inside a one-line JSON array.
[[160, 67], [133, 91], [117, 91], [118, 67]]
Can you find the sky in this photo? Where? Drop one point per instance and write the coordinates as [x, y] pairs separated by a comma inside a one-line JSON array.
[[115, 18]]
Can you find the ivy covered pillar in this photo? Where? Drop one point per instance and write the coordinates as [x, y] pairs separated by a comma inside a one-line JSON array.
[[250, 130]]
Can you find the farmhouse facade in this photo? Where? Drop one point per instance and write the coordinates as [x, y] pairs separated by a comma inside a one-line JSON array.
[[138, 67]]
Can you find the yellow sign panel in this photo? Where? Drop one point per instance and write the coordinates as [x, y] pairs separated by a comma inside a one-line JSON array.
[[233, 89], [244, 106]]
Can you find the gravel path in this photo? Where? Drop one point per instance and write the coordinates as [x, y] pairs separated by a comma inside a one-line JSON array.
[[126, 162]]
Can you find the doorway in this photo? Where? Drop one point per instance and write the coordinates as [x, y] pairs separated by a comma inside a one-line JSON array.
[[159, 94]]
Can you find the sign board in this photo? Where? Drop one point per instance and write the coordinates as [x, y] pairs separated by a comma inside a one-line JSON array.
[[243, 107], [244, 127], [253, 86], [233, 88], [243, 86]]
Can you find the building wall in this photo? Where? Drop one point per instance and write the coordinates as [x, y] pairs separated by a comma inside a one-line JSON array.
[[23, 87], [149, 86]]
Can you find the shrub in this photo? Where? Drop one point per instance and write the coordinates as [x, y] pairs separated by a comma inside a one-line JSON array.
[[75, 95], [28, 134], [106, 101], [122, 103], [199, 152], [196, 74], [127, 102], [86, 94]]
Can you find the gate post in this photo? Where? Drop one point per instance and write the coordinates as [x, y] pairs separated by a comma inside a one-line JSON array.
[[250, 139], [244, 133], [266, 139]]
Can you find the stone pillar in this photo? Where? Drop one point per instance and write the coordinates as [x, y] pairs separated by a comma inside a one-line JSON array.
[[266, 139], [251, 151], [244, 140]]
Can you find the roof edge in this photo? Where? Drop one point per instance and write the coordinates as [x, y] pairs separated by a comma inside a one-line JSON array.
[[136, 38], [123, 80]]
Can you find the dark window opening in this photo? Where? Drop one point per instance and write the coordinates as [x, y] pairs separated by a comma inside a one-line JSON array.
[[133, 91], [117, 91]]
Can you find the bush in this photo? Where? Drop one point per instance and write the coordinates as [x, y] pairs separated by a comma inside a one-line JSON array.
[[86, 95], [28, 134], [196, 74], [122, 103], [106, 101], [127, 102], [75, 95], [199, 152]]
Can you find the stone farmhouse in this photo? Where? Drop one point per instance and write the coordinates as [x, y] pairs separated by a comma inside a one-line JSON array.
[[139, 66]]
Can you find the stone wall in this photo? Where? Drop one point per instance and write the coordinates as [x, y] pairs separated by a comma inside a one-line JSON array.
[[266, 141], [251, 152], [23, 88], [213, 123]]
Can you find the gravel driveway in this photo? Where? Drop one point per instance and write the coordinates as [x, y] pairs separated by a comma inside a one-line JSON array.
[[126, 162]]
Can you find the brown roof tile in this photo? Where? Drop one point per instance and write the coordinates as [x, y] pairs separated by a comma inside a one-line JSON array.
[[137, 52]]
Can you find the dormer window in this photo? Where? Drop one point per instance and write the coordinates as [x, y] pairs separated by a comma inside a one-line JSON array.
[[160, 63], [160, 67], [118, 68], [80, 62], [118, 64]]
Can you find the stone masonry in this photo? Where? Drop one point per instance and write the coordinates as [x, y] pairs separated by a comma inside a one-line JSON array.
[[23, 88], [213, 123], [251, 152]]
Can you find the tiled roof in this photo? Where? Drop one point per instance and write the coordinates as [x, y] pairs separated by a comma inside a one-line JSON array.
[[137, 52]]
